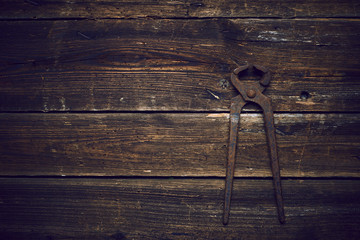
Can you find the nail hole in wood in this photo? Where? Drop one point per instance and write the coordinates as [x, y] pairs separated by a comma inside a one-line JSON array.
[[224, 84], [304, 95]]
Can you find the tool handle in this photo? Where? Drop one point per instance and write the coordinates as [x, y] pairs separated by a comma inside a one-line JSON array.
[[275, 168], [235, 110]]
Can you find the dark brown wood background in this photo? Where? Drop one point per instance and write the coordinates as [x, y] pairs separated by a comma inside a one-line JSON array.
[[114, 119]]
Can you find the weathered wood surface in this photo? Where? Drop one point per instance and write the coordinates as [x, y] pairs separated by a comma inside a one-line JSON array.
[[137, 144], [159, 55], [175, 209], [184, 65], [39, 9]]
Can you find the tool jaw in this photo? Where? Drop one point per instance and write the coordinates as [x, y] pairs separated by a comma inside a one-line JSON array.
[[251, 91]]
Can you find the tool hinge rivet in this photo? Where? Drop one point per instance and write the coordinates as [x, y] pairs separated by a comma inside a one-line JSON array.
[[251, 93]]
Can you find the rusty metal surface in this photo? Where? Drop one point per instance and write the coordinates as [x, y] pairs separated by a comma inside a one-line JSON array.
[[252, 92]]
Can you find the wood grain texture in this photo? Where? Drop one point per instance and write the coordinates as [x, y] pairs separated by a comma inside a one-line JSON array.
[[271, 8], [137, 144], [183, 65], [130, 165], [39, 9], [175, 209]]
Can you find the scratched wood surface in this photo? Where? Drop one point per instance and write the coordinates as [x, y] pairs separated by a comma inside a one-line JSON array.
[[38, 9], [46, 208], [182, 65], [137, 144]]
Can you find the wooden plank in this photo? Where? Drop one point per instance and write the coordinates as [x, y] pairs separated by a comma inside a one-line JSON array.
[[39, 9], [310, 145], [175, 209], [271, 8], [183, 65]]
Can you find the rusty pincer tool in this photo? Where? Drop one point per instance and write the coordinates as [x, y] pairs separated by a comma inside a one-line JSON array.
[[252, 92]]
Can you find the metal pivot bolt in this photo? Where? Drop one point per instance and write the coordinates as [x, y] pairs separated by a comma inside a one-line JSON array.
[[252, 92]]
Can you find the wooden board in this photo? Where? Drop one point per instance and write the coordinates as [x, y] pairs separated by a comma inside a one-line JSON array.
[[137, 144], [182, 65], [39, 9], [81, 208]]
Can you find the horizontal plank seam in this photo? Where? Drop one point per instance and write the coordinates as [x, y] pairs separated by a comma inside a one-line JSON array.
[[314, 18], [173, 177], [172, 112]]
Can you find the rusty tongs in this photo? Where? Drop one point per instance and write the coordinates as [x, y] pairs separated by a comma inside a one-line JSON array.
[[252, 92]]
